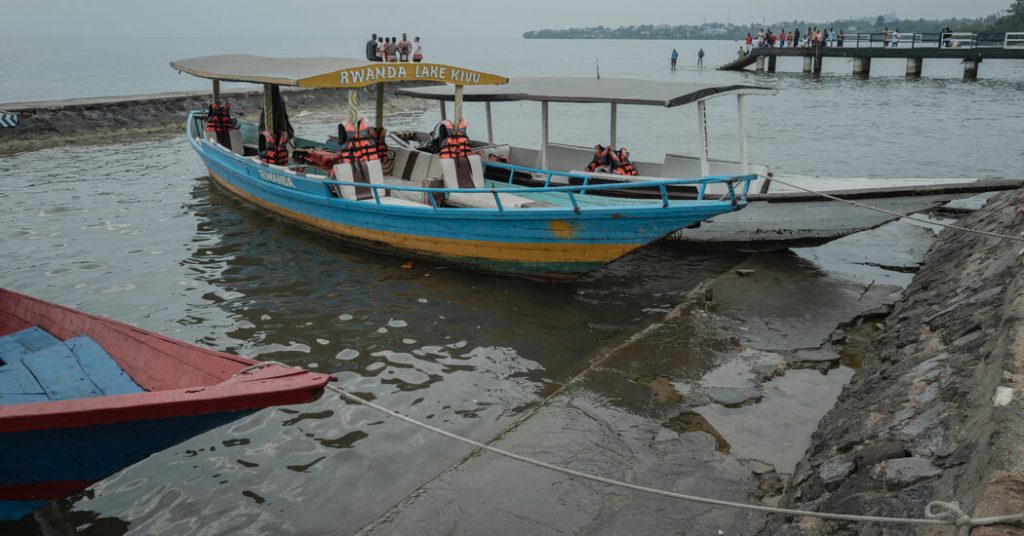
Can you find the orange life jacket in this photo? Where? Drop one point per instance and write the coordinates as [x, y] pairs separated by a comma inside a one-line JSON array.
[[456, 144], [380, 142], [276, 148], [358, 144], [623, 166]]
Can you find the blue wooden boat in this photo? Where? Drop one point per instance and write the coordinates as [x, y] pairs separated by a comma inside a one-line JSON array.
[[82, 397], [414, 202]]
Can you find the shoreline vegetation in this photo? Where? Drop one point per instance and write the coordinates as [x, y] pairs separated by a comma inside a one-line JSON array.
[[1012, 20]]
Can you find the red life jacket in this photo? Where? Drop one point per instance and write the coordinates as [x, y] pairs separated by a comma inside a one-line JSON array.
[[225, 117], [380, 142], [358, 144], [456, 144], [276, 148], [623, 165], [213, 122]]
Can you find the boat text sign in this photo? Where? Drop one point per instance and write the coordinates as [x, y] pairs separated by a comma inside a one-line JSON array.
[[378, 73]]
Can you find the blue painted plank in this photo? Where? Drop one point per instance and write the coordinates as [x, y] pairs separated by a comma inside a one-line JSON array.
[[104, 372], [15, 510], [15, 379], [22, 398], [60, 375], [34, 338]]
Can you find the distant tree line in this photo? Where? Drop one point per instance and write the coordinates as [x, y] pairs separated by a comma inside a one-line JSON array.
[[1013, 20]]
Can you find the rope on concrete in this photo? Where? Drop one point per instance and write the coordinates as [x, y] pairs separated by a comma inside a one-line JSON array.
[[936, 513], [899, 215]]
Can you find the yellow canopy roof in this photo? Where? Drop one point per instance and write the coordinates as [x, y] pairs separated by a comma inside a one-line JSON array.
[[327, 72]]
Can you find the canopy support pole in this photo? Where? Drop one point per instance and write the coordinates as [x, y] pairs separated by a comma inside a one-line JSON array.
[[380, 107], [444, 111], [740, 105], [216, 90], [490, 126], [702, 121], [457, 106], [615, 121], [544, 134], [268, 107]]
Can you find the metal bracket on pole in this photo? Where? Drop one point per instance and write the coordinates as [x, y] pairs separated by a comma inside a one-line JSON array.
[[702, 120]]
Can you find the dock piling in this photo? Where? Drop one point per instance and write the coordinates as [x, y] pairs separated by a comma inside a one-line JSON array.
[[914, 67], [760, 64], [808, 63], [971, 68], [817, 61], [771, 63], [862, 66]]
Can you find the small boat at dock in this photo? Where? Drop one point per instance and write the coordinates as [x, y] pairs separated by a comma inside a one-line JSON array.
[[369, 189], [782, 211], [82, 397]]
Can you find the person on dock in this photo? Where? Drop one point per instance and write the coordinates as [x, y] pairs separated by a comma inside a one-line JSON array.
[[840, 39], [750, 41], [700, 58], [371, 48], [885, 37], [831, 37], [674, 58], [404, 48], [417, 50], [896, 38], [796, 37]]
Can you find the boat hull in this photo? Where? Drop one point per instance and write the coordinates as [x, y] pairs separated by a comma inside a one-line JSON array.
[[43, 465], [766, 225], [555, 244]]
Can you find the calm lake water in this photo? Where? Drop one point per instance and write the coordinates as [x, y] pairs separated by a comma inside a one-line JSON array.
[[137, 232]]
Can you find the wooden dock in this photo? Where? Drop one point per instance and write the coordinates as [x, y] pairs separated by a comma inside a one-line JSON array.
[[969, 48]]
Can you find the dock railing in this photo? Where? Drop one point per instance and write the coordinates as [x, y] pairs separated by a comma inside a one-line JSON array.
[[967, 40]]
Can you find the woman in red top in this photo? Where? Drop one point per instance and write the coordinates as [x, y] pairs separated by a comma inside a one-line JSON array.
[[750, 41]]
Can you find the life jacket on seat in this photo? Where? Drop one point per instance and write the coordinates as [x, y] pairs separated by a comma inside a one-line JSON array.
[[623, 165], [456, 143], [380, 142], [357, 144], [276, 152], [602, 161]]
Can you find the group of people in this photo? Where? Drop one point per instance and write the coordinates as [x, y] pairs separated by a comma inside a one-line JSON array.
[[814, 37], [390, 49], [674, 58], [891, 38]]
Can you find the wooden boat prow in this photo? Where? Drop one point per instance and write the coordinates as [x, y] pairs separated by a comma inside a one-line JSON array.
[[57, 447]]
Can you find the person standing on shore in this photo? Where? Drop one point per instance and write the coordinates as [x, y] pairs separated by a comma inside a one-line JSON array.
[[417, 50], [700, 58], [393, 50], [382, 50], [371, 48], [674, 58]]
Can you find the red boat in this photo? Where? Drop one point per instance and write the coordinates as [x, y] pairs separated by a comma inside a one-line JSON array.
[[82, 397]]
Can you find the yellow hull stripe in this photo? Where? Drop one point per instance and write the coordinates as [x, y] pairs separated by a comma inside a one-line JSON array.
[[446, 247]]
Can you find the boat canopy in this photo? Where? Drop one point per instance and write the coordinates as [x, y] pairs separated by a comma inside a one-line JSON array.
[[593, 90], [327, 72]]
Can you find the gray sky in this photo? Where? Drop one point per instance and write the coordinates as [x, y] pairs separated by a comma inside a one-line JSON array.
[[507, 18]]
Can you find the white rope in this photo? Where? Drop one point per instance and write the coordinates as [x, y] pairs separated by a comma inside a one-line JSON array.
[[900, 215], [936, 513]]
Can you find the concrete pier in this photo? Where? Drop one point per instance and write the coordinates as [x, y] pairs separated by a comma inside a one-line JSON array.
[[971, 68], [862, 66], [914, 67], [808, 63], [771, 63], [817, 62], [760, 64]]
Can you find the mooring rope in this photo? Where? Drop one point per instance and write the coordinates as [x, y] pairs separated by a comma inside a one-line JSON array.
[[900, 215], [936, 512]]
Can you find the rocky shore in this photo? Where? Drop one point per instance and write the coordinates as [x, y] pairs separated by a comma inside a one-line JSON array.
[[934, 414], [128, 119]]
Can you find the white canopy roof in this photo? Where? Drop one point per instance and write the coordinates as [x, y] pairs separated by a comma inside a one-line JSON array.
[[593, 90]]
